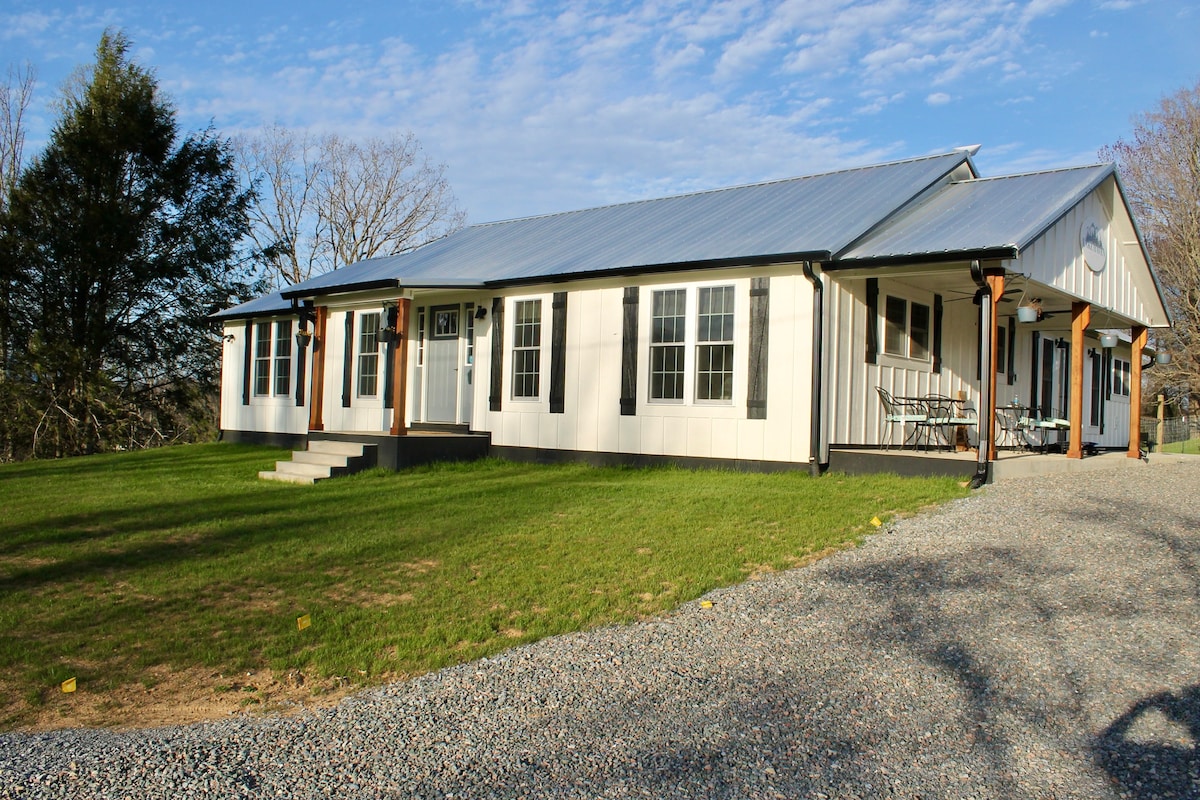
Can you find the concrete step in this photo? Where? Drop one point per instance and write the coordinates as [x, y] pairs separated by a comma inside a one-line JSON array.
[[322, 460], [317, 457], [317, 471], [272, 475], [353, 449]]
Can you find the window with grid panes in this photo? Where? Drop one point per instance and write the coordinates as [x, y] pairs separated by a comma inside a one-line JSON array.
[[668, 329], [714, 343], [283, 356], [262, 359], [527, 348], [272, 358], [368, 355]]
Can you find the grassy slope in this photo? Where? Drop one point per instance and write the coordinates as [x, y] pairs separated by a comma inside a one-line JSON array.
[[181, 557]]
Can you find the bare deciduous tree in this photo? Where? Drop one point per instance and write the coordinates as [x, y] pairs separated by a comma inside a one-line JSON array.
[[328, 201], [1160, 167], [15, 96]]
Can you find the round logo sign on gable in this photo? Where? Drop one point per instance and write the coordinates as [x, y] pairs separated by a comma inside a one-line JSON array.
[[1091, 242]]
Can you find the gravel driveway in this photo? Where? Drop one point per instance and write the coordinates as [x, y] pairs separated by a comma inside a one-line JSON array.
[[1040, 639]]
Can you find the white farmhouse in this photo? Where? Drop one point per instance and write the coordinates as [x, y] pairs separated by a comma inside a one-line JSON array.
[[751, 327]]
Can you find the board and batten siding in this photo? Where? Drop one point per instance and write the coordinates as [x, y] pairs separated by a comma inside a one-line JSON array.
[[591, 418], [1055, 258], [854, 412], [241, 409], [363, 413]]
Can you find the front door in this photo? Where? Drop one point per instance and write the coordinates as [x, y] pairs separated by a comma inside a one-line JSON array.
[[441, 393]]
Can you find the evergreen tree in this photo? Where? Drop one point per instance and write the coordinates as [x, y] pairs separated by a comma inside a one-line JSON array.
[[117, 241]]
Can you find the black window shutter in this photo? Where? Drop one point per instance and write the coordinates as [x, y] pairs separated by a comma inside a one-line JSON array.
[[389, 352], [872, 320], [1012, 355], [1108, 359], [497, 365], [756, 396], [348, 360], [558, 354], [301, 359], [1035, 346], [629, 344], [937, 333], [246, 362]]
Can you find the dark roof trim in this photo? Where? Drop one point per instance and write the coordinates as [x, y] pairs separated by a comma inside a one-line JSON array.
[[534, 280], [345, 288], [660, 269], [992, 254]]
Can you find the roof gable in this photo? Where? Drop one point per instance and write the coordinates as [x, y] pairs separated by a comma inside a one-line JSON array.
[[999, 216]]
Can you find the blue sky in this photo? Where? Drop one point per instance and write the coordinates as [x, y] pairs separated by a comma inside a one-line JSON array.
[[539, 107]]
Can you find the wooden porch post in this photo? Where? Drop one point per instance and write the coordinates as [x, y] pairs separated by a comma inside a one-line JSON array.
[[996, 285], [400, 368], [1140, 334], [1081, 315], [316, 404]]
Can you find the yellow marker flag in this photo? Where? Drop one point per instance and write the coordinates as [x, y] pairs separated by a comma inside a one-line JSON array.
[[876, 521], [706, 603], [68, 685], [303, 622]]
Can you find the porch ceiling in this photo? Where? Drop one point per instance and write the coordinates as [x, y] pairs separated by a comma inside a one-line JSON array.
[[955, 285]]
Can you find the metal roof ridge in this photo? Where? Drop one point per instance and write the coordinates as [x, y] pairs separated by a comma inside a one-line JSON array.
[[716, 190], [1032, 173]]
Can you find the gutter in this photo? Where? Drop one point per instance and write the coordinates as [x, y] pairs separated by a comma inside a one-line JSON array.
[[817, 426], [983, 467]]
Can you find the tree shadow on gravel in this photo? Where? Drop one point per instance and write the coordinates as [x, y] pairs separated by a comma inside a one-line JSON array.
[[1134, 752]]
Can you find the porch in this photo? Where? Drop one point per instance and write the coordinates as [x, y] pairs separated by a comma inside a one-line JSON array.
[[962, 464]]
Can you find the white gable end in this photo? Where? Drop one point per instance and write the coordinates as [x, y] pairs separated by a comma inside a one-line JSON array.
[[1092, 253]]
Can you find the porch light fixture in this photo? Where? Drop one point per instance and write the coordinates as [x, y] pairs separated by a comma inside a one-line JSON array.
[[480, 312], [1108, 340]]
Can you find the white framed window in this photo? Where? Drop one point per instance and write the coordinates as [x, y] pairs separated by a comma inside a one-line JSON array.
[[691, 344], [714, 343], [527, 349], [668, 333], [368, 354], [273, 358], [906, 325], [1122, 372]]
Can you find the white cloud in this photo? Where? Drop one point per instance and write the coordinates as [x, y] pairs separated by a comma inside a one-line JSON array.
[[541, 107]]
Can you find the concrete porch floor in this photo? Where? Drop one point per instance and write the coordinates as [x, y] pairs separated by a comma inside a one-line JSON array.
[[1008, 464]]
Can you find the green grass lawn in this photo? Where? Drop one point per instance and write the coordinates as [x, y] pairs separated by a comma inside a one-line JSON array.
[[1191, 446], [181, 557]]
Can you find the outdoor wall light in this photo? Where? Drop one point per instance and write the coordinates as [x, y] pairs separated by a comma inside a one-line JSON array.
[[480, 312]]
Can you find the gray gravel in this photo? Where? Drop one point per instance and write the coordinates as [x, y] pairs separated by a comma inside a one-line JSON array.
[[1040, 639]]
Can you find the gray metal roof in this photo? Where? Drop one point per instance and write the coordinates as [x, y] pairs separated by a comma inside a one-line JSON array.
[[263, 306], [814, 215], [981, 215]]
